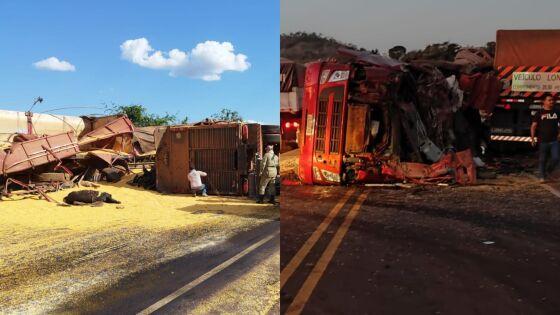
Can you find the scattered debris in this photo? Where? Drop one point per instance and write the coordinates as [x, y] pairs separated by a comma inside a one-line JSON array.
[[30, 154], [86, 183], [45, 163], [395, 185]]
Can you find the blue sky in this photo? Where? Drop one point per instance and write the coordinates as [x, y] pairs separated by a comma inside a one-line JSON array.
[[89, 35]]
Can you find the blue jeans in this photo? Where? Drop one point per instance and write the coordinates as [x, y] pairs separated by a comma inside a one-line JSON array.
[[548, 152], [201, 189]]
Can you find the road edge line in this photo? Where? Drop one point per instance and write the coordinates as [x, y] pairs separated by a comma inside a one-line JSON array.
[[189, 286]]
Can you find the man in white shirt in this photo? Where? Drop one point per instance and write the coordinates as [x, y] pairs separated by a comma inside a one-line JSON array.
[[196, 181]]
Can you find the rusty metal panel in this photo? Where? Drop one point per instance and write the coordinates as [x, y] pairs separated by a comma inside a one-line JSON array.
[[215, 136], [163, 171], [214, 149], [172, 161], [29, 154], [356, 128], [220, 164], [119, 126], [91, 123]]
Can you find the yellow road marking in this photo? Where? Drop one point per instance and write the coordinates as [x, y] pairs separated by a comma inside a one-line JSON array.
[[159, 304], [309, 285], [294, 263]]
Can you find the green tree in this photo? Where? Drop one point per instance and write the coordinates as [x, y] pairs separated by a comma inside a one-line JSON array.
[[227, 115], [139, 115]]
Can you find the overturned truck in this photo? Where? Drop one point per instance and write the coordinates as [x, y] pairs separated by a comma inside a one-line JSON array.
[[225, 151], [367, 118]]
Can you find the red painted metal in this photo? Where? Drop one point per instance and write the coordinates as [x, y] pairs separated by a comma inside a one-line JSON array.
[[309, 113], [119, 126], [29, 116], [325, 111], [463, 170], [324, 157], [245, 186], [245, 133], [30, 154]]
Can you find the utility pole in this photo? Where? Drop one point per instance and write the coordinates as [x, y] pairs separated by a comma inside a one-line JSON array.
[[29, 115]]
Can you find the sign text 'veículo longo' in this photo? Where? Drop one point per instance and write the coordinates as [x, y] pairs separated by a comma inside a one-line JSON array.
[[535, 82]]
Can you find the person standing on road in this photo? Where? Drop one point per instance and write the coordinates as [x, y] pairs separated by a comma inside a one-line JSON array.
[[268, 172], [546, 122], [196, 181]]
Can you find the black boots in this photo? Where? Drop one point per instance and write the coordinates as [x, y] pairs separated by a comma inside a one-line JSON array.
[[260, 199], [272, 201]]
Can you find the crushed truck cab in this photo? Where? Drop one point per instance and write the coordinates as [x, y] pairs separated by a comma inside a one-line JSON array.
[[360, 125]]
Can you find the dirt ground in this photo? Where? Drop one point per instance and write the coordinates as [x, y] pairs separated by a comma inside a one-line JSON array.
[[53, 254], [491, 248], [289, 165]]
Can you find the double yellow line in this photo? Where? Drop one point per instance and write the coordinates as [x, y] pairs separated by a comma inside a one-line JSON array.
[[311, 282]]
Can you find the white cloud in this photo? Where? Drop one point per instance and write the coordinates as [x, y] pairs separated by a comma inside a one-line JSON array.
[[53, 64], [207, 61]]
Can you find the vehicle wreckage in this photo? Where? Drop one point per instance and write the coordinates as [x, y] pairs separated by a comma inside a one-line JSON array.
[[31, 161], [368, 118], [106, 146]]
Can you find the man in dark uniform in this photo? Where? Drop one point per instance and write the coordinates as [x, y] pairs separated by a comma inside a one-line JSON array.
[[268, 173], [546, 123]]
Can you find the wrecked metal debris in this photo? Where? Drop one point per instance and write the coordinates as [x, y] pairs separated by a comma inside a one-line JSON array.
[[102, 151], [115, 134], [29, 154], [145, 140], [374, 119]]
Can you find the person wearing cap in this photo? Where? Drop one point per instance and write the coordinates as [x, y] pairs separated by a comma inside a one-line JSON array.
[[268, 171]]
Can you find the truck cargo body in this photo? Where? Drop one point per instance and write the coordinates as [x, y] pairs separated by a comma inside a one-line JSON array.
[[528, 64], [225, 152]]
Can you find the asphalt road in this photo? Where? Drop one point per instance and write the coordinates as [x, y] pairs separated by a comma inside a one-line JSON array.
[[258, 268], [492, 248]]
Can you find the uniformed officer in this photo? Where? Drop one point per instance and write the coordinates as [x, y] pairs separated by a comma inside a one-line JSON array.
[[268, 172]]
